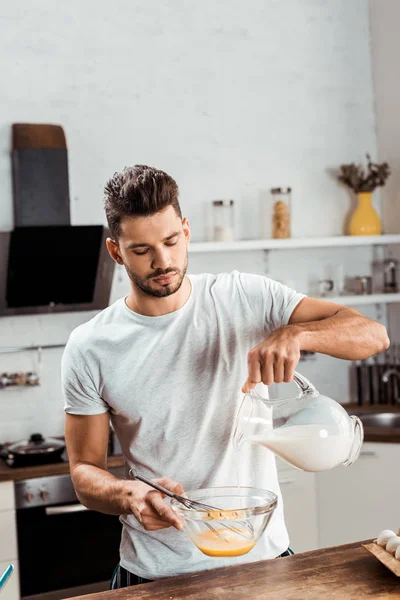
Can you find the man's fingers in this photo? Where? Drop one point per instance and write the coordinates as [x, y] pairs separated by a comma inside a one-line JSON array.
[[267, 368], [290, 366], [254, 370], [164, 511], [171, 485], [248, 385], [151, 523], [278, 369]]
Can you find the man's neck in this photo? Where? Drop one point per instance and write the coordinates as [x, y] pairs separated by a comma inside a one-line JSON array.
[[151, 306]]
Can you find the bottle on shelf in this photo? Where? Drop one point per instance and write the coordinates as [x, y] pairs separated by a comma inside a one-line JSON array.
[[281, 201], [223, 221]]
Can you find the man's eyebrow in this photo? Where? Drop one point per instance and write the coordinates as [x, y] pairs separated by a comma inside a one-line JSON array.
[[143, 245]]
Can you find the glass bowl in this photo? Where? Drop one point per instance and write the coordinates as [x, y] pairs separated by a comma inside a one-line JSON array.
[[234, 528]]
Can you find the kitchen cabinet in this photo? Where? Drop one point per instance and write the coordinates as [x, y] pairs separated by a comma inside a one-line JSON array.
[[357, 502], [7, 499], [8, 535], [8, 539], [299, 499]]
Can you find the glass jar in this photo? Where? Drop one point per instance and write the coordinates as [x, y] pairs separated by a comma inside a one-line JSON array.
[[223, 220], [281, 200], [309, 431]]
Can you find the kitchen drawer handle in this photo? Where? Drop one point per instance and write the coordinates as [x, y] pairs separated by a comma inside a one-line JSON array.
[[287, 480], [368, 453], [64, 510]]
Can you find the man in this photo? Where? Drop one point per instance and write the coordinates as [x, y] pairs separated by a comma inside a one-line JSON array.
[[167, 364]]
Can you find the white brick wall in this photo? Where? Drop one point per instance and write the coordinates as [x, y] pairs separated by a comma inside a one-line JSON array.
[[229, 97]]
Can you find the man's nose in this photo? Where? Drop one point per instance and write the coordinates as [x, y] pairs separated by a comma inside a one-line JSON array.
[[161, 259]]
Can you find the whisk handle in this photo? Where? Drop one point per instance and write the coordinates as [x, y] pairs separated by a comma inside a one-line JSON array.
[[133, 473]]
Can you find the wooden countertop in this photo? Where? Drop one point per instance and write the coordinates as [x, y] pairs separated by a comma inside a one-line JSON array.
[[345, 572], [10, 474]]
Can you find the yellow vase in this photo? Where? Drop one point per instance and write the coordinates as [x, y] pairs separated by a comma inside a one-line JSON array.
[[365, 220]]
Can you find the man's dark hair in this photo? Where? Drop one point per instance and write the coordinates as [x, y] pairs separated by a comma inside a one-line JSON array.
[[138, 191]]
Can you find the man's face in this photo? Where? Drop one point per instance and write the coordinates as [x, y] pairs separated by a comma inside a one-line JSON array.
[[153, 251]]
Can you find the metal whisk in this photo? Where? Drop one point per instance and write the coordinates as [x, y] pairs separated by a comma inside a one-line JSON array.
[[194, 505]]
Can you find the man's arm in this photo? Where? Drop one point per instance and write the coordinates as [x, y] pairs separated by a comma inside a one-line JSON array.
[[86, 438], [316, 326]]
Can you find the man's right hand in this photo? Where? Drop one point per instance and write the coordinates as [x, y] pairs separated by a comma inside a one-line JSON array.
[[148, 505]]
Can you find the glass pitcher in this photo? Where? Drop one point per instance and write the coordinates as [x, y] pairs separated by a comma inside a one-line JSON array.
[[310, 431]]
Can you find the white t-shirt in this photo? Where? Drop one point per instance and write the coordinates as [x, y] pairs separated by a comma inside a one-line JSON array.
[[172, 385]]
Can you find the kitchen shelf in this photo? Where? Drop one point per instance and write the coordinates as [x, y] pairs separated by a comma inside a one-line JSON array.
[[293, 243], [358, 300]]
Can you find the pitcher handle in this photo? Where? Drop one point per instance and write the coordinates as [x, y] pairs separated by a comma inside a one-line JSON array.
[[305, 386]]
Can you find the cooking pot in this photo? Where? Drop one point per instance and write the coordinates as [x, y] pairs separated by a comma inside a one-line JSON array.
[[37, 450]]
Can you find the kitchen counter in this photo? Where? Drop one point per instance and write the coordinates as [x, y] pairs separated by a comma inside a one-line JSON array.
[[337, 573], [377, 434], [10, 474]]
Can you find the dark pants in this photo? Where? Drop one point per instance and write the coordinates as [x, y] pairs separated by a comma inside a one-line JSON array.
[[122, 578]]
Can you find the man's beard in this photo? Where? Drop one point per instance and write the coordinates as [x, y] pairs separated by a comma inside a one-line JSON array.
[[164, 290]]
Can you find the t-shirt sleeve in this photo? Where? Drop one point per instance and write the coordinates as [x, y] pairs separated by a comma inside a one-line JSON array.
[[271, 301], [80, 393]]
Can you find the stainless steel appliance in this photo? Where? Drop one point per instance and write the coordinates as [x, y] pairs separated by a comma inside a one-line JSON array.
[[64, 549]]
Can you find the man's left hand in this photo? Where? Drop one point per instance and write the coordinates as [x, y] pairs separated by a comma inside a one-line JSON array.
[[274, 360]]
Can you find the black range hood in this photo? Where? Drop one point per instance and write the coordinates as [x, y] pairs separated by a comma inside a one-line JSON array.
[[57, 268], [48, 265]]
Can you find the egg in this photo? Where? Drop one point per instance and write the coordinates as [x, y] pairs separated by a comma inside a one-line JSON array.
[[384, 536], [397, 555], [392, 544]]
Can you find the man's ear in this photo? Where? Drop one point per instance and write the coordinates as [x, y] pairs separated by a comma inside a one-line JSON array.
[[113, 251], [186, 229]]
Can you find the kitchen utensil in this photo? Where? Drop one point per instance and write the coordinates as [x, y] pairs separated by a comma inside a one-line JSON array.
[[338, 279], [37, 450], [390, 270], [393, 380], [325, 287], [378, 378], [387, 383], [358, 382], [237, 526], [310, 431], [211, 511], [365, 380], [371, 383], [396, 366], [334, 273], [5, 576], [363, 284]]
